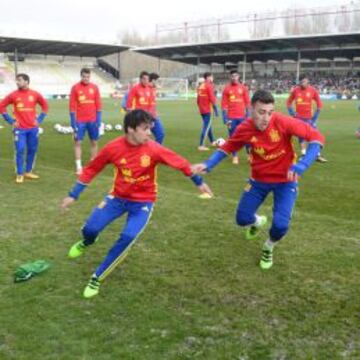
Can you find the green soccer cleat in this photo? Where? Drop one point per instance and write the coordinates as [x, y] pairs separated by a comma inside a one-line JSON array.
[[253, 231], [76, 250], [92, 288], [266, 261]]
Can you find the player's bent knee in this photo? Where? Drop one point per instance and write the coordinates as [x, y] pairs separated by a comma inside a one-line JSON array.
[[279, 228], [244, 218], [90, 232]]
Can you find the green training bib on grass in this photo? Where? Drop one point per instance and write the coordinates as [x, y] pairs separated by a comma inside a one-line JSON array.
[[27, 271]]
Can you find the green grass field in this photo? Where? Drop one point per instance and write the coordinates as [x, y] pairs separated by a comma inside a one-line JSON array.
[[191, 287]]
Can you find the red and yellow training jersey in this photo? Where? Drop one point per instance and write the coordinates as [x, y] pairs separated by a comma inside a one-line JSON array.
[[304, 101], [272, 152], [235, 99], [135, 168], [139, 98], [206, 97], [85, 101], [24, 103]]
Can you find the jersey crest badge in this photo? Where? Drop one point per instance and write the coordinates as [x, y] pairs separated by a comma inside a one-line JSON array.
[[145, 161], [274, 135]]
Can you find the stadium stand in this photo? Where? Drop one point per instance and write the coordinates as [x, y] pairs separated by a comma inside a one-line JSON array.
[[52, 77], [54, 66], [332, 61]]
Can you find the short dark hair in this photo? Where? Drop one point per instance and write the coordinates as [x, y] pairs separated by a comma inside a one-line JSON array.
[[262, 96], [135, 118], [144, 73], [153, 76], [25, 77], [234, 71], [85, 71], [302, 77], [207, 74]]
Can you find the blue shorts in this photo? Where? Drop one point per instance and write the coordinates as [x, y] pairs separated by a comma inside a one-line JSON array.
[[92, 128]]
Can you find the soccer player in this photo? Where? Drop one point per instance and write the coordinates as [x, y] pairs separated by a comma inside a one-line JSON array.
[[304, 95], [85, 115], [273, 167], [143, 96], [135, 158], [26, 124], [158, 128], [206, 100], [235, 104]]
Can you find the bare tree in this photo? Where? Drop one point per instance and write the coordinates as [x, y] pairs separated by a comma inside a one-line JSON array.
[[306, 21], [355, 21], [342, 20], [319, 22], [262, 26]]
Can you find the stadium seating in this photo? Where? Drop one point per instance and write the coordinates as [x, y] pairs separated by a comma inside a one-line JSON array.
[[53, 77]]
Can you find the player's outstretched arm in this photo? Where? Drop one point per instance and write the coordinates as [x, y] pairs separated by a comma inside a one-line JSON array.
[[305, 162], [210, 163], [198, 168], [202, 186], [205, 189], [170, 158], [90, 171], [66, 202], [72, 196]]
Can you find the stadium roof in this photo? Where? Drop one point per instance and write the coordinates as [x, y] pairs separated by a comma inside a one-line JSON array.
[[55, 47], [311, 47]]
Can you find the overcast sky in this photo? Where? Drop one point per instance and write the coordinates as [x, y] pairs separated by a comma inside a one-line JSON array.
[[100, 21]]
